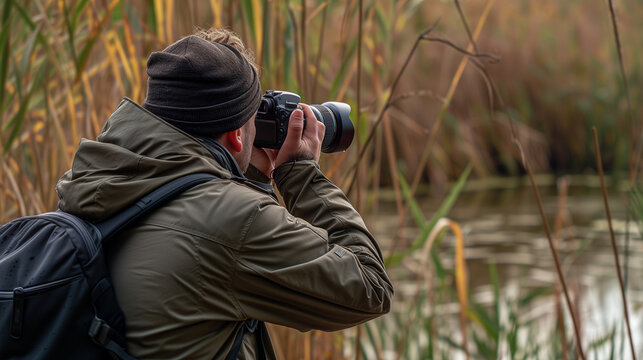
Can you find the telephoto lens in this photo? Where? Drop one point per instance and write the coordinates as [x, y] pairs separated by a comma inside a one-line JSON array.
[[274, 112], [339, 128]]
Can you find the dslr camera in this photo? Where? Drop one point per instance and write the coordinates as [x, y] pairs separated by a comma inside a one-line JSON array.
[[274, 112]]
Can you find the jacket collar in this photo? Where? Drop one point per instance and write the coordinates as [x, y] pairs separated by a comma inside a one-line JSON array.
[[222, 156], [225, 159]]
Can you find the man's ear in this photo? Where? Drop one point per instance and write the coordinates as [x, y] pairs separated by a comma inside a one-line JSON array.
[[234, 139]]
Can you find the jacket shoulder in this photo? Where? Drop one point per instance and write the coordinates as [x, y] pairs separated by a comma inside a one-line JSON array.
[[220, 211]]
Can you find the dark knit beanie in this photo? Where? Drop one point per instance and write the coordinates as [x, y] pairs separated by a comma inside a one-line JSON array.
[[202, 87]]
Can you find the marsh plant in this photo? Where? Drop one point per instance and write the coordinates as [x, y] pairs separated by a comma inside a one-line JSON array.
[[444, 93]]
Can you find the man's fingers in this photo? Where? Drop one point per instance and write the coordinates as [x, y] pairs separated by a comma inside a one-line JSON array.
[[295, 127], [312, 125], [302, 141], [321, 131]]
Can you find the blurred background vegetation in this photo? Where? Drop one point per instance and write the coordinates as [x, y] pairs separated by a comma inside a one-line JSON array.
[[427, 119]]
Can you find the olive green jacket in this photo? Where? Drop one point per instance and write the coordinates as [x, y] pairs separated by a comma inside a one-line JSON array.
[[188, 275]]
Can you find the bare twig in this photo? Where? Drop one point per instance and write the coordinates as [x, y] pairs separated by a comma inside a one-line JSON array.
[[433, 134], [466, 25], [380, 115], [493, 59], [544, 220], [599, 165], [635, 150], [358, 123], [527, 167], [423, 36], [554, 252], [436, 125]]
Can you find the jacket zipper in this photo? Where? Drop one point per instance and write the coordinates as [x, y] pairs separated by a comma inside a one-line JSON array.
[[78, 226]]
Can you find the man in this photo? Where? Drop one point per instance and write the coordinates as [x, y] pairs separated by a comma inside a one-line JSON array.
[[191, 275]]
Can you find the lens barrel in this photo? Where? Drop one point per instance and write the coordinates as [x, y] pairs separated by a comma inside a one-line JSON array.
[[339, 131]]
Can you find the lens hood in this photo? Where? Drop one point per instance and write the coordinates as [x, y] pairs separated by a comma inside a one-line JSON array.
[[344, 130]]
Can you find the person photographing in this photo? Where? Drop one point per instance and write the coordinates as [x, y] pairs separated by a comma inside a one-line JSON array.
[[199, 277]]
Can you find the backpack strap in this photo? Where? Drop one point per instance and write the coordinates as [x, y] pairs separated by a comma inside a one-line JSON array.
[[102, 334], [251, 326], [149, 203], [99, 330]]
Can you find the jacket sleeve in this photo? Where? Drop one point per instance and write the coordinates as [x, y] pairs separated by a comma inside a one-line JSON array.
[[313, 265]]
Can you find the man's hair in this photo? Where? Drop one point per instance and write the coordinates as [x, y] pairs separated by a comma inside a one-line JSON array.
[[228, 37]]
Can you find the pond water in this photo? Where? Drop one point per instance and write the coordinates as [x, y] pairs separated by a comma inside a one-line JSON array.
[[501, 225]]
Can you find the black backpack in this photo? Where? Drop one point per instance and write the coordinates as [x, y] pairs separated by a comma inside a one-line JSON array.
[[56, 296]]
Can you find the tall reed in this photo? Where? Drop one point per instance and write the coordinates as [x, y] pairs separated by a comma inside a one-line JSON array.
[[421, 116], [617, 263]]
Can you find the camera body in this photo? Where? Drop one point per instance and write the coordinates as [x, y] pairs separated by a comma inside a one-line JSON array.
[[272, 118], [274, 113]]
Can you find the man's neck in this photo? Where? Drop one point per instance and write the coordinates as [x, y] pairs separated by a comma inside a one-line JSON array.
[[222, 156]]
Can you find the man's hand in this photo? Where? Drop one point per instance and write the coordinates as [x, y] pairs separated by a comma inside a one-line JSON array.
[[300, 143], [263, 159], [298, 146]]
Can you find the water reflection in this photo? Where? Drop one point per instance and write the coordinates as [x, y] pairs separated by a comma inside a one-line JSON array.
[[502, 226]]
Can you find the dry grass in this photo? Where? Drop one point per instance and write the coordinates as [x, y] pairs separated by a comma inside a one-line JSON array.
[[66, 64]]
